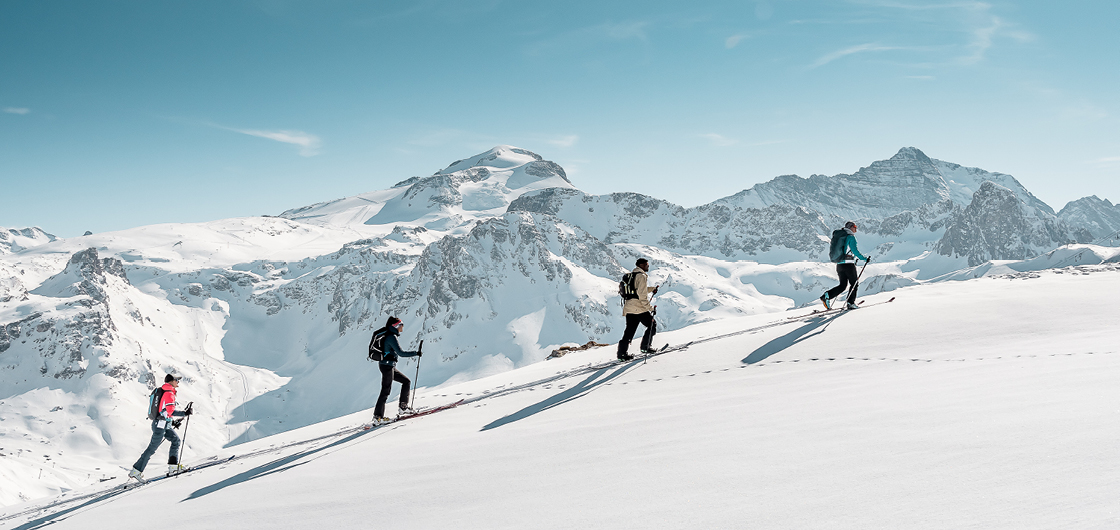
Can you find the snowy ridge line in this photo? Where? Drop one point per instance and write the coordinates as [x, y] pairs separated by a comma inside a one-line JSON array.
[[586, 369]]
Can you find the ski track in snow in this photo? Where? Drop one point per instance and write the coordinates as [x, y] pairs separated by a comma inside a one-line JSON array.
[[281, 303]]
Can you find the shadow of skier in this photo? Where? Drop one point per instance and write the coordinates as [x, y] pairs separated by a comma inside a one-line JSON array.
[[278, 466], [791, 338], [60, 515], [579, 390]]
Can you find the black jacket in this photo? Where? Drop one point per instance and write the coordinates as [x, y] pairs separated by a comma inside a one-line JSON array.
[[392, 348]]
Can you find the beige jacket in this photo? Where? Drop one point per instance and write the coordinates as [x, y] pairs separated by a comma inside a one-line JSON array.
[[641, 286]]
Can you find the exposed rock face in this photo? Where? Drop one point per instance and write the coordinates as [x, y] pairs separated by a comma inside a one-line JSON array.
[[493, 262], [902, 205], [86, 329], [715, 229], [907, 181], [1100, 218], [999, 225]]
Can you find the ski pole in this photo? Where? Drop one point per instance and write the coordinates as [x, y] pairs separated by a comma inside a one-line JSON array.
[[653, 319], [858, 276], [416, 380], [183, 445]]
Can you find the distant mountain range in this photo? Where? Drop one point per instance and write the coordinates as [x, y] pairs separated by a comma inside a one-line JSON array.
[[493, 262]]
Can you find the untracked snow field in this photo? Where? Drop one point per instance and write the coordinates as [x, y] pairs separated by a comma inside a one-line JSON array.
[[987, 403]]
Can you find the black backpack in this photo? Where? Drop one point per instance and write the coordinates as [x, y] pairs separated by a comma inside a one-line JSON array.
[[153, 403], [377, 344], [626, 287], [839, 245]]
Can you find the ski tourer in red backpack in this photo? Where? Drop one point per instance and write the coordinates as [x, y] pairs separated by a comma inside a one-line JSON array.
[[161, 410]]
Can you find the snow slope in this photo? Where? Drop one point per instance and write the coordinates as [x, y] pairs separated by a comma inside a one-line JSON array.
[[986, 403], [494, 261]]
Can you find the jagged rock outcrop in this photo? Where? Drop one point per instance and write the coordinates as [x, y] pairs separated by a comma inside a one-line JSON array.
[[492, 261], [1100, 218], [87, 329], [998, 225], [714, 230]]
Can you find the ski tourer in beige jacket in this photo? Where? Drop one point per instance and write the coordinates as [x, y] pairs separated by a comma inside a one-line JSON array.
[[640, 304]]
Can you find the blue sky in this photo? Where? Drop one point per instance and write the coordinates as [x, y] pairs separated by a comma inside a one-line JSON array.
[[121, 114]]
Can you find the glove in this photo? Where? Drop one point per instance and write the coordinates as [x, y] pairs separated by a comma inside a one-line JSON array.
[[655, 289], [188, 412], [176, 423], [869, 259], [419, 354]]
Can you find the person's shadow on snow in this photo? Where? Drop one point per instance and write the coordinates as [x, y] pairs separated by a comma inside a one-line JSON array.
[[815, 326], [579, 390]]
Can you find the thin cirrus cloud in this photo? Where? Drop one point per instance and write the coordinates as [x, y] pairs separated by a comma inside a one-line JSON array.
[[719, 140], [733, 41], [17, 110], [308, 144], [862, 48], [590, 37], [975, 18]]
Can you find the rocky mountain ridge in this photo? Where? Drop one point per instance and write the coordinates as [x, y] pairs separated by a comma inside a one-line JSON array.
[[493, 261]]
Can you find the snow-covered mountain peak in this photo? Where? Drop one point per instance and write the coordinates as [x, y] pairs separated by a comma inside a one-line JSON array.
[[468, 190], [17, 239], [502, 156], [912, 153], [1099, 216]]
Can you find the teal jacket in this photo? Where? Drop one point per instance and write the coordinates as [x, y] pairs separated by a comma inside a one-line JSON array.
[[852, 249]]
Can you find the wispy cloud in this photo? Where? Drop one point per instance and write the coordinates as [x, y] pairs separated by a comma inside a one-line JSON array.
[[972, 19], [719, 140], [733, 40], [862, 48], [308, 144], [1108, 160], [17, 110], [591, 36], [565, 141]]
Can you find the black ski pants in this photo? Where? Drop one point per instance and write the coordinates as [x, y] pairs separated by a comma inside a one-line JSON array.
[[388, 375], [848, 275], [632, 321]]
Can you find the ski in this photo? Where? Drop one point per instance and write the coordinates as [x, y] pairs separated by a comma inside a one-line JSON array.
[[429, 410], [132, 482], [643, 356], [818, 312], [418, 413]]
